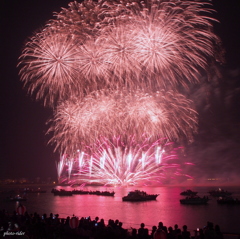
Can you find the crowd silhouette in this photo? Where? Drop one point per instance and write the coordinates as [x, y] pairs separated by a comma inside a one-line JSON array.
[[34, 226]]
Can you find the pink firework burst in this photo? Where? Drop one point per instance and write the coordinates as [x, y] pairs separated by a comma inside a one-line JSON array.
[[50, 66], [110, 113]]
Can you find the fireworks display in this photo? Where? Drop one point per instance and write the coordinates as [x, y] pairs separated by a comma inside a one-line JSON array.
[[113, 69]]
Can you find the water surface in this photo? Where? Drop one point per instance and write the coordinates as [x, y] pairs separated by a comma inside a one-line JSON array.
[[166, 208]]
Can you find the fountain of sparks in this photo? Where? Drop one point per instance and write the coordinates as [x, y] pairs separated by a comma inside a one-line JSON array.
[[116, 164]]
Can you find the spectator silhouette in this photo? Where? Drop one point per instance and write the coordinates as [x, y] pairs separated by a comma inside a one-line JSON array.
[[209, 232], [143, 232], [170, 234], [185, 233], [154, 228], [218, 233], [160, 233]]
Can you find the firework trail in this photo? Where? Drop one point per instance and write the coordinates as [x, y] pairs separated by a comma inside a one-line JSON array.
[[114, 69], [60, 166], [107, 114]]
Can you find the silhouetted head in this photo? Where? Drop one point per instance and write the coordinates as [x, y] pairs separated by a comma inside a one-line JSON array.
[[160, 224], [134, 232], [154, 228], [217, 228], [210, 225]]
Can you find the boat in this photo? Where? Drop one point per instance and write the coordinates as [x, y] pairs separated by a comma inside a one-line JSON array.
[[99, 193], [106, 193], [194, 200], [188, 192], [219, 193], [137, 196], [228, 200], [102, 193], [61, 192], [16, 198], [80, 192]]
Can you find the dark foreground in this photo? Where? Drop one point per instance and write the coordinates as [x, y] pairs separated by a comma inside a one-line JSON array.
[[36, 226]]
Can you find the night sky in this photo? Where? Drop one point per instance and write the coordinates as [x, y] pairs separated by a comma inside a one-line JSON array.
[[24, 148]]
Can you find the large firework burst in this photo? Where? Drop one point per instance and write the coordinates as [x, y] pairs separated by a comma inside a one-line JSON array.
[[50, 66], [111, 113]]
